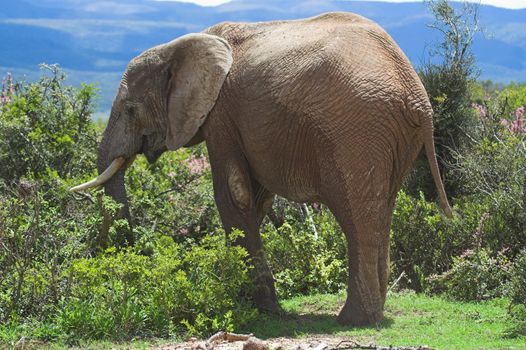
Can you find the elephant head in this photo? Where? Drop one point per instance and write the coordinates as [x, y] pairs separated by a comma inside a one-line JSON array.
[[164, 97]]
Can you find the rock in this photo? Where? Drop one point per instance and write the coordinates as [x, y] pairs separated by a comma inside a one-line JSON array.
[[254, 343]]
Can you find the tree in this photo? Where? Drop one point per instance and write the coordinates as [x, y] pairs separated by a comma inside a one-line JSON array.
[[448, 77]]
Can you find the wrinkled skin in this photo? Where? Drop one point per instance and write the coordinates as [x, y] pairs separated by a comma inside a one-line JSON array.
[[326, 109]]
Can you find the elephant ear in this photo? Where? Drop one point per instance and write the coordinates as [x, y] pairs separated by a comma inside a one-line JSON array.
[[199, 66]]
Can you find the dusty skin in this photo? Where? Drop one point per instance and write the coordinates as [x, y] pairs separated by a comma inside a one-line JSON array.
[[325, 109]]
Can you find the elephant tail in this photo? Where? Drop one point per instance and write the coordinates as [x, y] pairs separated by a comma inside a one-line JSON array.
[[433, 165]]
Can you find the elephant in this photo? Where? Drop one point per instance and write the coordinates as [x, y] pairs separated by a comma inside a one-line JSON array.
[[326, 109]]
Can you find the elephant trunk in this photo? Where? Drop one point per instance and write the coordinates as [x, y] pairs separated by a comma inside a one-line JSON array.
[[114, 187]]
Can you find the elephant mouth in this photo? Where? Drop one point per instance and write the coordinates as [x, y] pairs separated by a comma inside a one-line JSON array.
[[151, 152], [118, 163], [106, 175]]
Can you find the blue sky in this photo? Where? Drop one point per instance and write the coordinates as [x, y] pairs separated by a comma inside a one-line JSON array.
[[511, 4]]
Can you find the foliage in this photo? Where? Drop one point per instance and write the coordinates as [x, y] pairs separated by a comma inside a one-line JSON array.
[[45, 128], [493, 172], [45, 133], [517, 294], [423, 242], [512, 97], [53, 275], [59, 279], [448, 81], [475, 275], [172, 198], [39, 237], [305, 262], [174, 290]]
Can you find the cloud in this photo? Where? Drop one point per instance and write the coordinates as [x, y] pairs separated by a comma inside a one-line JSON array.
[[510, 4], [115, 7], [84, 27], [202, 2]]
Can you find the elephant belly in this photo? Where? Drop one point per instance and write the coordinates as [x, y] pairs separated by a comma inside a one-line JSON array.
[[285, 159]]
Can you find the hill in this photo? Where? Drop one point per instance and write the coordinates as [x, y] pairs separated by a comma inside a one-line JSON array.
[[94, 39]]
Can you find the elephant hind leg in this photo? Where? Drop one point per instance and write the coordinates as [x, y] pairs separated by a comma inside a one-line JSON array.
[[367, 232]]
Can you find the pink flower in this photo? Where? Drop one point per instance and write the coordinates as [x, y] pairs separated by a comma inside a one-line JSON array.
[[480, 109], [315, 206], [519, 113], [519, 124], [183, 231], [514, 126], [197, 165]]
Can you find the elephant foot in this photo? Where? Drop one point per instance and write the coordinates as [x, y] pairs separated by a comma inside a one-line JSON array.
[[269, 306], [266, 300], [356, 316], [264, 292]]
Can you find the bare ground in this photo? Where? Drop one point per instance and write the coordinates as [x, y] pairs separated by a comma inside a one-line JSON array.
[[222, 341]]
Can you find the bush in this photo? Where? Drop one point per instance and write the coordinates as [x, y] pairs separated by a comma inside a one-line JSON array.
[[46, 134], [448, 79], [493, 172], [517, 294], [301, 262], [423, 242], [467, 257], [53, 274], [474, 276], [39, 237], [175, 290], [174, 196], [46, 129]]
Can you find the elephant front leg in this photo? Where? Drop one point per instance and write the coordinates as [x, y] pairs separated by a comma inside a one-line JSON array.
[[367, 236], [241, 203]]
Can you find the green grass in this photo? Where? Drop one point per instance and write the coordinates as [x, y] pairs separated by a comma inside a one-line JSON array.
[[410, 320]]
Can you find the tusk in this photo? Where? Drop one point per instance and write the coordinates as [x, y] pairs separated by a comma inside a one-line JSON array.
[[102, 178]]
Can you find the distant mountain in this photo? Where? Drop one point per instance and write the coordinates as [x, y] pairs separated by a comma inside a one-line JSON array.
[[94, 39]]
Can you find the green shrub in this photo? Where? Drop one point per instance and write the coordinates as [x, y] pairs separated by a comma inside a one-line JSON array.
[[174, 196], [423, 242], [53, 276], [301, 262], [474, 276], [42, 227], [46, 129], [512, 97], [448, 79], [493, 172], [46, 136], [517, 294], [175, 290]]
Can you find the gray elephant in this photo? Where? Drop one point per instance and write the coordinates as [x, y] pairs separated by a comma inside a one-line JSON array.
[[325, 109]]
